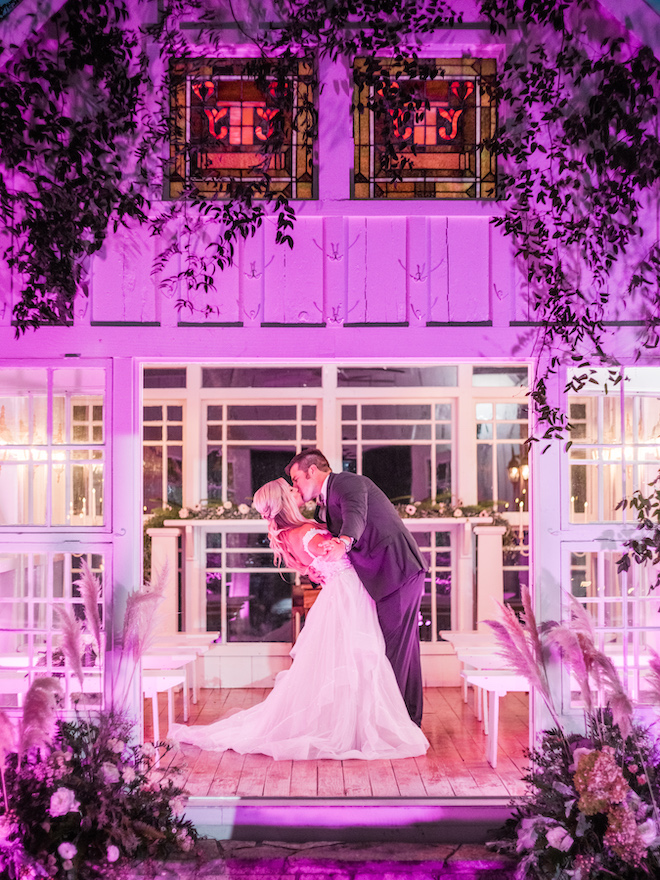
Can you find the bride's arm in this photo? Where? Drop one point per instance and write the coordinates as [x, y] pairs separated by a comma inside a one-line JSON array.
[[305, 547]]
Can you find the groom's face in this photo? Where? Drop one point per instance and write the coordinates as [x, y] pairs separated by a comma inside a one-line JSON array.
[[308, 484]]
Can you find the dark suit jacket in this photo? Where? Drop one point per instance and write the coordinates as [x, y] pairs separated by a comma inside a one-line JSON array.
[[384, 553]]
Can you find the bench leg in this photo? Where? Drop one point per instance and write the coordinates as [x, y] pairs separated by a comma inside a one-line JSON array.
[[483, 696], [186, 703], [494, 713], [154, 716]]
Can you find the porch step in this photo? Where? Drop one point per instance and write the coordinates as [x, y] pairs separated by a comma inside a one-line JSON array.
[[276, 860], [401, 820]]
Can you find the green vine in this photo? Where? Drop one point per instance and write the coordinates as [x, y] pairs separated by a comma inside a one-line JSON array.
[[68, 102]]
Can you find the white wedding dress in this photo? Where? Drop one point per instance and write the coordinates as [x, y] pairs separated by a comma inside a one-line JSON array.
[[338, 700]]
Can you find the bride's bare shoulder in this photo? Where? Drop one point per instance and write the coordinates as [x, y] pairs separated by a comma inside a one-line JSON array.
[[298, 535]]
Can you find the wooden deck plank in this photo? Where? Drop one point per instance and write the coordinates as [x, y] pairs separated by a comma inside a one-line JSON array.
[[227, 775], [408, 779], [278, 779], [382, 779], [330, 778], [356, 778], [253, 776], [202, 773], [304, 779]]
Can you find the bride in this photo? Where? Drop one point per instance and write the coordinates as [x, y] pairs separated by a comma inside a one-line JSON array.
[[340, 698]]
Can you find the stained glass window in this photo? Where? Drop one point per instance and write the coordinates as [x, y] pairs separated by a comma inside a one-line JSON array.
[[426, 129], [227, 128]]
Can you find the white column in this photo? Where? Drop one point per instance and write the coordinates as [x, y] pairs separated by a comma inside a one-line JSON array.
[[490, 576], [463, 595], [164, 554]]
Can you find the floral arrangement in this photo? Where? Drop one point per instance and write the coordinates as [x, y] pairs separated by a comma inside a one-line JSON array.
[[229, 510], [79, 796], [426, 509], [592, 798], [83, 801]]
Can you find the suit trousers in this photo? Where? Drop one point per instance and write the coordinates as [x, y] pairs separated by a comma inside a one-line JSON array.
[[398, 615]]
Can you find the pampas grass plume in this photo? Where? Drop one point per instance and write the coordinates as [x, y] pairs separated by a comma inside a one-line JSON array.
[[89, 587], [40, 713], [7, 735], [72, 640]]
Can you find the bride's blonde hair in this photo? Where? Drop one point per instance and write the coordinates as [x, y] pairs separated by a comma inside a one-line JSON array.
[[275, 503]]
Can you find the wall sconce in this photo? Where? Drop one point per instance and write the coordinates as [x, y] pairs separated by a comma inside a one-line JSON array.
[[518, 469]]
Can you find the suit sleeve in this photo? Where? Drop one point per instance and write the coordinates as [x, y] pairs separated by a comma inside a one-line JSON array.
[[352, 498]]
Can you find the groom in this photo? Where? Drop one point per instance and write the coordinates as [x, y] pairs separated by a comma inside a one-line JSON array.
[[383, 553]]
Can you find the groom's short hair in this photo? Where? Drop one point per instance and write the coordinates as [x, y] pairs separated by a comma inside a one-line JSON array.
[[306, 459]]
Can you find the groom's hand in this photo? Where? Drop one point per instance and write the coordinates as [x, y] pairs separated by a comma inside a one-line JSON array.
[[332, 549]]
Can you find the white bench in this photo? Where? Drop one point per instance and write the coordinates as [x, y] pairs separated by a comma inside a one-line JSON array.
[[154, 682], [496, 684]]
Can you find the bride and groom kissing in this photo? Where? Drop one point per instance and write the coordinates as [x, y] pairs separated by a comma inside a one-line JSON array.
[[354, 689]]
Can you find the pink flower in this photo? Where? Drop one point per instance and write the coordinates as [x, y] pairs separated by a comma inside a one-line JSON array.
[[63, 801], [67, 850], [411, 510], [109, 772], [128, 775], [113, 853], [559, 838], [184, 513], [577, 754]]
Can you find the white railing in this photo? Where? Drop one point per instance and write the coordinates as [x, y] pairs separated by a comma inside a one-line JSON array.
[[474, 589]]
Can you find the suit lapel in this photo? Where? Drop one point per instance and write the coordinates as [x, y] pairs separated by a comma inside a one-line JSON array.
[[328, 517]]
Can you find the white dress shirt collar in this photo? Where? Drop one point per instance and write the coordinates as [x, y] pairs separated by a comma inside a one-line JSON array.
[[323, 494]]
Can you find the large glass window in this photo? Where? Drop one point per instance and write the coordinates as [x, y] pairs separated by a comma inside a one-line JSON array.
[[405, 448], [502, 461], [247, 598], [623, 610], [396, 423], [52, 447], [247, 445], [615, 449], [34, 585], [162, 449]]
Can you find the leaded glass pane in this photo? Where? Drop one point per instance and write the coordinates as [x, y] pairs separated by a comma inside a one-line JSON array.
[[439, 144], [222, 123]]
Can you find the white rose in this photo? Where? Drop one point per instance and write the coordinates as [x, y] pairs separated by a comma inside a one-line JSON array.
[[177, 805], [243, 509], [185, 842], [113, 853], [184, 513], [458, 512], [128, 775], [577, 754], [559, 838], [227, 505], [63, 801], [648, 832], [67, 850], [109, 772]]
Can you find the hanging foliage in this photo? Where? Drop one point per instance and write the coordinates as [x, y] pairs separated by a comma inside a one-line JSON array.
[[68, 101]]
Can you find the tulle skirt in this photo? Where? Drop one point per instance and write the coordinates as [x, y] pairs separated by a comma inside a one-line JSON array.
[[339, 699]]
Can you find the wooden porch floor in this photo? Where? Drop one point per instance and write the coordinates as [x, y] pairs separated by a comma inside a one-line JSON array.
[[454, 766]]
